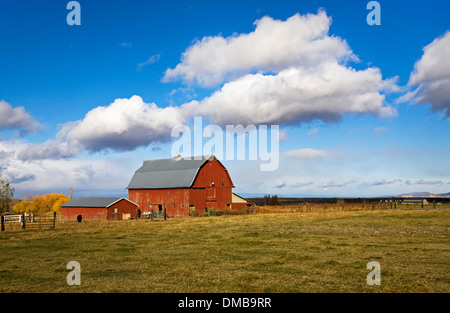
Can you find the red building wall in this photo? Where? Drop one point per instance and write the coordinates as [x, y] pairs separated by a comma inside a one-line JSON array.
[[89, 214], [123, 207], [176, 201]]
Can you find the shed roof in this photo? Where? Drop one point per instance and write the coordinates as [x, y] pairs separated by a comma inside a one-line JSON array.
[[176, 172], [94, 202]]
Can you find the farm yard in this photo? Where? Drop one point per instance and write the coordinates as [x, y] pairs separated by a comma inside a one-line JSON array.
[[271, 251]]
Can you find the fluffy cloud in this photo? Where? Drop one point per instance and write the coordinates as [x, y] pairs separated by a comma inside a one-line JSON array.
[[432, 75], [51, 149], [123, 125], [300, 41], [17, 118], [297, 95]]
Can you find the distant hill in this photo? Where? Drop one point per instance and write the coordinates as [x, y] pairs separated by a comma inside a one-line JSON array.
[[424, 195]]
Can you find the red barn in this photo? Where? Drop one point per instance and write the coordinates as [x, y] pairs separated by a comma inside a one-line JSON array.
[[105, 208], [181, 185]]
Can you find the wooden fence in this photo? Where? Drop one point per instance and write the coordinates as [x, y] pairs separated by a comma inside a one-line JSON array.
[[329, 207], [154, 214], [14, 222]]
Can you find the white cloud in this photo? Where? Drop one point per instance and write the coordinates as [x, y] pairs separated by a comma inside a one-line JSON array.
[[306, 154], [433, 65], [17, 119], [297, 95], [50, 175], [123, 125], [379, 182], [153, 59], [51, 149], [333, 184], [432, 76], [300, 41], [424, 182]]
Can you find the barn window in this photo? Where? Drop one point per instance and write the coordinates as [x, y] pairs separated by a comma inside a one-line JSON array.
[[174, 205], [182, 205]]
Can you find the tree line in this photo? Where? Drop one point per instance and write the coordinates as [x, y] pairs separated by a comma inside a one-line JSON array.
[[31, 205], [271, 200]]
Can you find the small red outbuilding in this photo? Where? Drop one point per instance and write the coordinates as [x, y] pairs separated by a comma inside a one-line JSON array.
[[99, 208]]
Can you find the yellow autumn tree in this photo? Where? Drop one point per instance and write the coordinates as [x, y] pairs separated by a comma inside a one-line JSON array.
[[41, 204]]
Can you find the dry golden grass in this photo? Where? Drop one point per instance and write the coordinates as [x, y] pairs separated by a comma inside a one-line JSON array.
[[297, 252]]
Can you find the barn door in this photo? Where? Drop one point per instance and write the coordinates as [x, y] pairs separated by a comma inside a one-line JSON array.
[[115, 214]]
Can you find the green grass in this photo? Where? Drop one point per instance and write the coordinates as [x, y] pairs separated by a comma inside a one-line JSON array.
[[309, 252]]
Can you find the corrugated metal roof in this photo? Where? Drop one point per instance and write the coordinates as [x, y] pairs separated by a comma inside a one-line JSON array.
[[96, 202], [176, 172]]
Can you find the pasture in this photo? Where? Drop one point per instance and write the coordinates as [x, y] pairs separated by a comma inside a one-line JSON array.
[[286, 252]]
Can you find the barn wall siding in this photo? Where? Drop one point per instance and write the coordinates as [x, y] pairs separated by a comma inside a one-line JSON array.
[[150, 199], [238, 205]]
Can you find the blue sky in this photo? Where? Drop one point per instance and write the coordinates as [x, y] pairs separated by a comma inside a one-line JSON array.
[[386, 135]]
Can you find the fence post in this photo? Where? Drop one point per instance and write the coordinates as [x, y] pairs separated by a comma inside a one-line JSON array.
[[165, 212], [54, 219], [151, 215], [23, 220], [3, 222], [434, 204], [422, 203]]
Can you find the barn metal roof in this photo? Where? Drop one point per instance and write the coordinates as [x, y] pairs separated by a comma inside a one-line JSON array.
[[96, 202], [176, 172]]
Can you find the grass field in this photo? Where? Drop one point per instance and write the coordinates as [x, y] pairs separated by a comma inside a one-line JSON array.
[[292, 252]]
